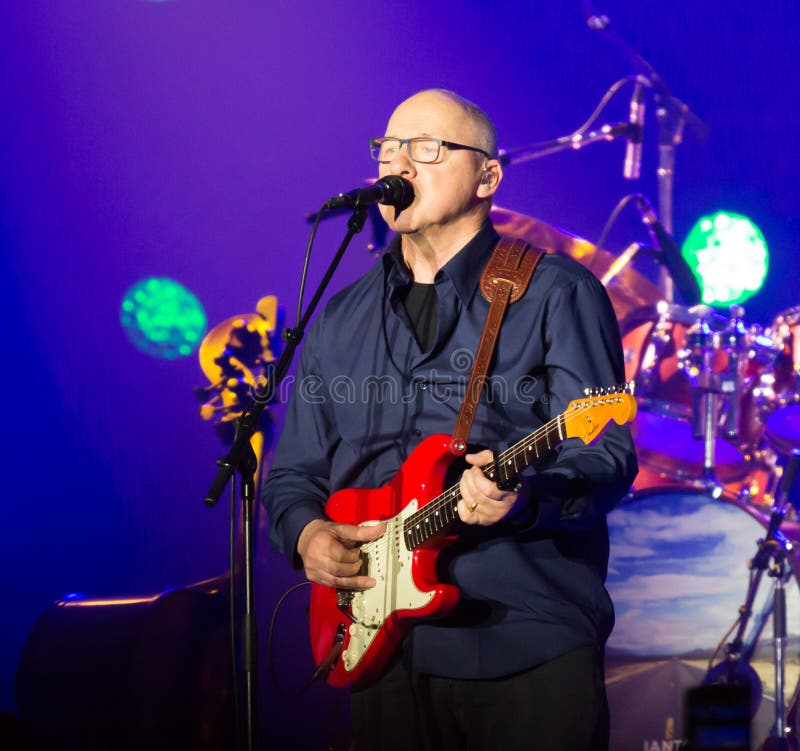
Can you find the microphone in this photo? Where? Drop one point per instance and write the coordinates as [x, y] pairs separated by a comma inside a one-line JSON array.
[[391, 190], [632, 167], [670, 253]]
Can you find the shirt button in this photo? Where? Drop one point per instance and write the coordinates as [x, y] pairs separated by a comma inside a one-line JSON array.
[[423, 386], [417, 432]]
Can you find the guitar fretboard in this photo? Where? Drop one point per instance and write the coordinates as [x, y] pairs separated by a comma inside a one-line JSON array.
[[442, 511]]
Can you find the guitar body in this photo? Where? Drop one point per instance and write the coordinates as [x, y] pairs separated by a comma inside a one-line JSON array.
[[375, 621], [354, 634]]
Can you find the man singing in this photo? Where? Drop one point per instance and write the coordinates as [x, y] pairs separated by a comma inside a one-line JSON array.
[[518, 664]]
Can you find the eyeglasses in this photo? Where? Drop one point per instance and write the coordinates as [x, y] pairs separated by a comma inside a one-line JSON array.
[[421, 149]]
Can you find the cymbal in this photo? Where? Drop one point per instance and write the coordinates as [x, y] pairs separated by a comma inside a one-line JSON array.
[[628, 290]]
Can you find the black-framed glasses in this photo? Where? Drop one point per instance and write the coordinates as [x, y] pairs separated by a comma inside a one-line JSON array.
[[421, 149]]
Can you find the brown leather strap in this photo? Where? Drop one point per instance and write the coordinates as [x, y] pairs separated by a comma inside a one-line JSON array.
[[504, 281]]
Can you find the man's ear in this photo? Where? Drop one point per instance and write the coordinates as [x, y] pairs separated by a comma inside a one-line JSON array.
[[490, 178]]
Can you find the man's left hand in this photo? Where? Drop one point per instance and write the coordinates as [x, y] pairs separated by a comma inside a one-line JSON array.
[[482, 502]]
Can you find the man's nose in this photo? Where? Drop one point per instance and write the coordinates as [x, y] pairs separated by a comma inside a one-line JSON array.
[[401, 163]]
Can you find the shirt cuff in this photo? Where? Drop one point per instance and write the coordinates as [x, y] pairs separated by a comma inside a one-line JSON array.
[[293, 523]]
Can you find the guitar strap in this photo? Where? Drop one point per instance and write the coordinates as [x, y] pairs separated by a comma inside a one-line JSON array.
[[504, 281]]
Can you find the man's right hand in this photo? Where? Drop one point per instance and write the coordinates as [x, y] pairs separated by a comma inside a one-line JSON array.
[[331, 555]]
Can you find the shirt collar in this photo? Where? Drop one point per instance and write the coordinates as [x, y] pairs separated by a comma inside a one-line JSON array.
[[464, 269]]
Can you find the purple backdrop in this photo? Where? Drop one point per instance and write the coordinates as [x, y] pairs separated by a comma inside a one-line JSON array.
[[188, 139]]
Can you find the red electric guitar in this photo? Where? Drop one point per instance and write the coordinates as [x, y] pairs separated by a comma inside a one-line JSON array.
[[353, 634]]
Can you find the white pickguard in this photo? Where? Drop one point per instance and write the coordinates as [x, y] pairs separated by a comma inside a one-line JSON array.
[[389, 563]]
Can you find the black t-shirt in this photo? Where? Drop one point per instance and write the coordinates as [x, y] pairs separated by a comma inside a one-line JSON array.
[[422, 305]]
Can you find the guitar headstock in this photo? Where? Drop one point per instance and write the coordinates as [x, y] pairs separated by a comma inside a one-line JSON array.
[[585, 418]]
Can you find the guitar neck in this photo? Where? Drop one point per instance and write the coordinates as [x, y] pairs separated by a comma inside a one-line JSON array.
[[442, 511]]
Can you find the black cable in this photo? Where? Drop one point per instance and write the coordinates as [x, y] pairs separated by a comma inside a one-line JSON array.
[[507, 155], [614, 216], [306, 262], [270, 661], [613, 89], [293, 335]]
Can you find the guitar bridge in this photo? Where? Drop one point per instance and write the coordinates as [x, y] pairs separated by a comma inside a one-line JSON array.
[[344, 599]]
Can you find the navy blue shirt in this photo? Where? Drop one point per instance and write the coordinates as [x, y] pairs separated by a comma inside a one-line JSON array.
[[366, 395]]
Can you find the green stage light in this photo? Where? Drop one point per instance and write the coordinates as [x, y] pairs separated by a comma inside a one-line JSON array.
[[162, 318], [728, 255]]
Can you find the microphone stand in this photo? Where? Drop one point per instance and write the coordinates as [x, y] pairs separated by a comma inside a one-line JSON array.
[[671, 114], [380, 230], [671, 117], [574, 141], [241, 458]]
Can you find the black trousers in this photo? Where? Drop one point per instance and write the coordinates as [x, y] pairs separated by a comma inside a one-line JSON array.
[[558, 706]]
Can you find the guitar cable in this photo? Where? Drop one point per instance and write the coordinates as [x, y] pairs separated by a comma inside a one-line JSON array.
[[325, 665]]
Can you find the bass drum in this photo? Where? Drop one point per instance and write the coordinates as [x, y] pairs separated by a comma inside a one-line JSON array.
[[678, 573]]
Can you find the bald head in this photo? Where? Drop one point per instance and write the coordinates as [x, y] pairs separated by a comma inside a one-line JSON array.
[[484, 135], [453, 192]]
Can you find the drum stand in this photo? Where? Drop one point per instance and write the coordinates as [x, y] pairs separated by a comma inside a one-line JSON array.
[[714, 381], [779, 740], [698, 365], [709, 415], [771, 556]]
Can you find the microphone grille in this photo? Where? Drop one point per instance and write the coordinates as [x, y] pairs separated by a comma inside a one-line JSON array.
[[399, 191]]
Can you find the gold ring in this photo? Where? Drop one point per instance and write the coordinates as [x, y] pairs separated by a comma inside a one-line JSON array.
[[473, 507]]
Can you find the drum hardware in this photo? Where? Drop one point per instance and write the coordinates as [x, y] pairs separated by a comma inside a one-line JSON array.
[[704, 381], [732, 378], [781, 415], [696, 361], [713, 363], [657, 347], [771, 557]]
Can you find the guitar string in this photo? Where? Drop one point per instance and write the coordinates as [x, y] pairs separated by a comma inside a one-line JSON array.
[[516, 451], [451, 496], [448, 496]]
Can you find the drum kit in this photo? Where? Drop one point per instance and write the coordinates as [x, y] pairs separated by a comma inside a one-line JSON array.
[[719, 399], [718, 421]]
